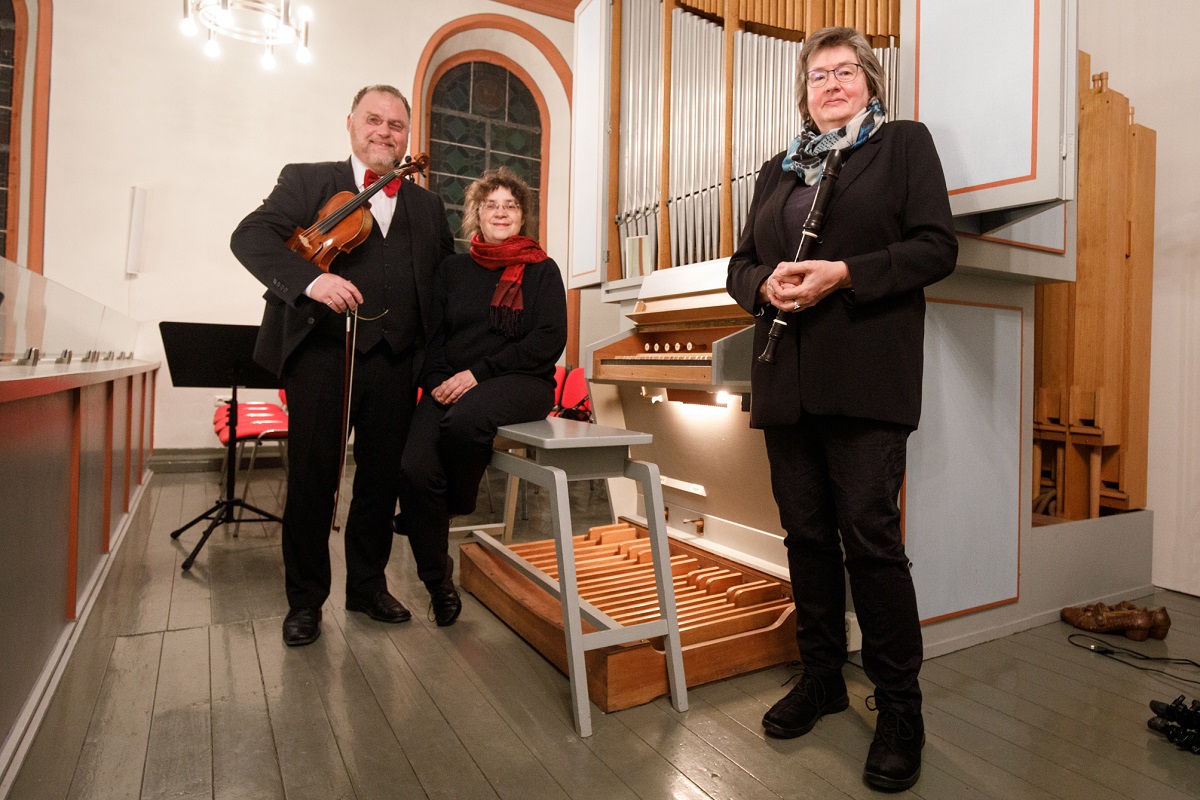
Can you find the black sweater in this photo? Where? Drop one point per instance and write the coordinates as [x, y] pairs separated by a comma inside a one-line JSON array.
[[465, 341]]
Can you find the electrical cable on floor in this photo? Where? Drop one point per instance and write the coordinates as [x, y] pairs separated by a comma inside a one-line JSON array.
[[1118, 654]]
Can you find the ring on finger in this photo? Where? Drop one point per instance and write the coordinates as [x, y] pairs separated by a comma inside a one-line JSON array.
[[795, 305]]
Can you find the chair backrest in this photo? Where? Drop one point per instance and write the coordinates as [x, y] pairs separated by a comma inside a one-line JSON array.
[[575, 393], [560, 378]]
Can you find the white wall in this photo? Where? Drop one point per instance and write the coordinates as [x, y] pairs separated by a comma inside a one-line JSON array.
[[1150, 58], [133, 102]]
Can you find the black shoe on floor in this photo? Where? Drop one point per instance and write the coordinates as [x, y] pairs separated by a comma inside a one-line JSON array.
[[894, 760], [301, 626], [445, 603], [380, 606], [398, 525], [809, 700]]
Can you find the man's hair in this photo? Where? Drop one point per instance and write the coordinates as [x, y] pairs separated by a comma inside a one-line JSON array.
[[839, 37], [384, 88], [490, 181]]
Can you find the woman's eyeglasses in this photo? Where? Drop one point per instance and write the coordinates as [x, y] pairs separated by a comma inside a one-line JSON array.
[[492, 207], [844, 73]]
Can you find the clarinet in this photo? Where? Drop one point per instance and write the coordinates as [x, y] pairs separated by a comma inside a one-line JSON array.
[[808, 240]]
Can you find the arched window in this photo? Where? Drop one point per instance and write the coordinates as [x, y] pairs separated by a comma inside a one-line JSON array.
[[482, 117]]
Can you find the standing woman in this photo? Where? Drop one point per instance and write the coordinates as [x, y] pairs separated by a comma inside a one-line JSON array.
[[490, 364], [837, 407]]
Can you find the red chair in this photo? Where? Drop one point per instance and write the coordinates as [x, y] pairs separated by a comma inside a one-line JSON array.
[[576, 402], [257, 424], [560, 377]]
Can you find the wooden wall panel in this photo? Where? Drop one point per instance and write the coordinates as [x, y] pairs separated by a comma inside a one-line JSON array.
[[35, 471], [93, 455]]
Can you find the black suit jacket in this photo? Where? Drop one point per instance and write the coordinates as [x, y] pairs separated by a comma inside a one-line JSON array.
[[859, 352], [290, 315]]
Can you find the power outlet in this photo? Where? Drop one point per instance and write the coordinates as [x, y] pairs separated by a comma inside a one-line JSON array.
[[853, 633]]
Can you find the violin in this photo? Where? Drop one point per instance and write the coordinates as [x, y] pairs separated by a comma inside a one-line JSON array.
[[344, 222]]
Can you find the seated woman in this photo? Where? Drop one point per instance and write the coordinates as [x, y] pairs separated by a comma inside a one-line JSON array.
[[491, 364]]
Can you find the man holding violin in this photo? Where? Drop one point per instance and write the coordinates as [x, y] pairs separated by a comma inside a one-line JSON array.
[[386, 280]]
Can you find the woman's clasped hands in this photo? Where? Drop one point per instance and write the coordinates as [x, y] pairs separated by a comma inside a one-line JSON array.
[[797, 285]]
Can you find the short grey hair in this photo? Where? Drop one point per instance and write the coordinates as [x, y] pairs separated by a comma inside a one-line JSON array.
[[838, 37]]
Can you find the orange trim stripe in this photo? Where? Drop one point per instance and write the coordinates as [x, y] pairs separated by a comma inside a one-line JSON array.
[[12, 221], [41, 128]]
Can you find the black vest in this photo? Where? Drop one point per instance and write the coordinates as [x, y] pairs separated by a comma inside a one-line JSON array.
[[382, 269]]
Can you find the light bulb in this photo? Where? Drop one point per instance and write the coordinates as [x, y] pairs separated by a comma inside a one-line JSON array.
[[189, 27], [268, 60], [303, 54], [305, 13], [211, 48]]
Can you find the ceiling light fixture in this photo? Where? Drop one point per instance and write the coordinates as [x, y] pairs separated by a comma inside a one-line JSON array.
[[263, 22]]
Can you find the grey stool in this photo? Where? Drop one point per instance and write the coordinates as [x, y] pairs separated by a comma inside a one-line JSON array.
[[562, 450]]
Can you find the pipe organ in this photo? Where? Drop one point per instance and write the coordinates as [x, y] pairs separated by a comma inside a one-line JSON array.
[[703, 94]]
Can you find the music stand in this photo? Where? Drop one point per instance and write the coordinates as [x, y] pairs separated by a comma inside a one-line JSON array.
[[205, 355]]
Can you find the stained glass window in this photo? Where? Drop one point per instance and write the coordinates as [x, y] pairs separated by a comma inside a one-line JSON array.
[[482, 117]]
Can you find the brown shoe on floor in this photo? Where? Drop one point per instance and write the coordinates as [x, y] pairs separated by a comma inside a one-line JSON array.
[[1160, 620], [1134, 623]]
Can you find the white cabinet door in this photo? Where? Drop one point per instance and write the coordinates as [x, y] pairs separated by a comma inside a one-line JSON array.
[[994, 80], [589, 144]]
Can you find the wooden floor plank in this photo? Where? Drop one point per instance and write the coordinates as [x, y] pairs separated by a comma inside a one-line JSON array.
[[310, 761], [179, 751], [538, 712], [375, 762], [1062, 752], [245, 764], [521, 740], [49, 765], [438, 757], [114, 751], [755, 767]]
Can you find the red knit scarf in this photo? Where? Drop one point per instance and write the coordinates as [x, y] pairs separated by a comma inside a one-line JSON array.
[[511, 255]]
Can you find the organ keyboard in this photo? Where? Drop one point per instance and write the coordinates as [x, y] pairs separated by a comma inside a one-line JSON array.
[[689, 333]]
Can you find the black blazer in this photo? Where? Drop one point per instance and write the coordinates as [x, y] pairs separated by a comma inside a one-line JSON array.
[[298, 196], [859, 352]]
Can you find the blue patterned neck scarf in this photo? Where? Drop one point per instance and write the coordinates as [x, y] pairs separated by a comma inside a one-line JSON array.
[[805, 154]]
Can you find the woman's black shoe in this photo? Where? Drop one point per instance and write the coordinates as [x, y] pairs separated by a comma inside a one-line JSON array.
[[445, 604], [894, 760], [809, 700]]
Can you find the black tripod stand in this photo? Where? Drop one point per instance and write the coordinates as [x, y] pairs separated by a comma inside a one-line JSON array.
[[200, 354]]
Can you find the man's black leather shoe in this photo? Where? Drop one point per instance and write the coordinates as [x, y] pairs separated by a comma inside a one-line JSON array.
[[380, 606], [894, 760], [301, 626], [446, 604], [809, 700]]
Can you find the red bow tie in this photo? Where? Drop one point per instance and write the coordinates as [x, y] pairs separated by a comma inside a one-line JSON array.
[[389, 188]]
